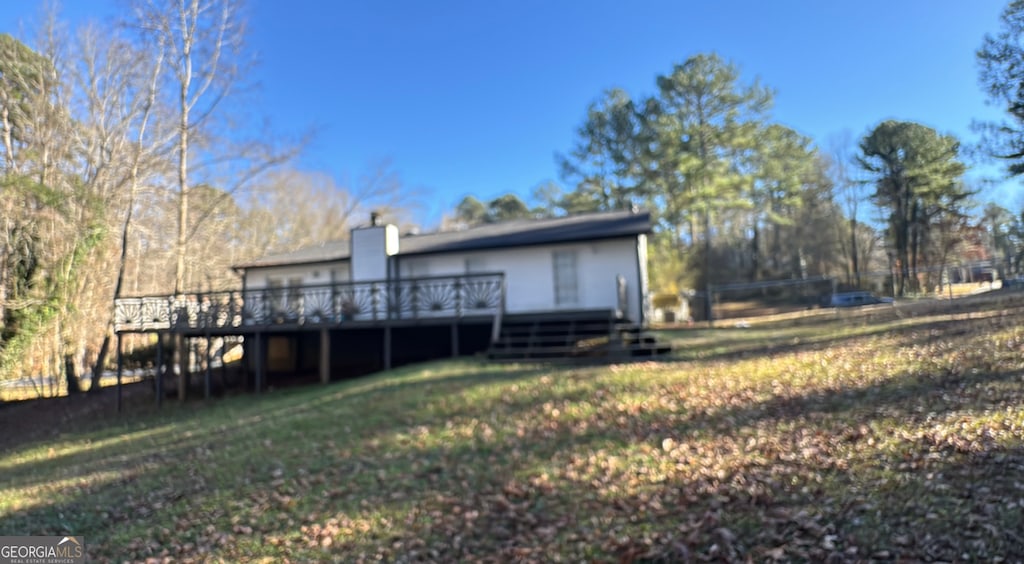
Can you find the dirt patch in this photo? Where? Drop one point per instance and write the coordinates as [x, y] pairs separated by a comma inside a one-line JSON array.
[[29, 421]]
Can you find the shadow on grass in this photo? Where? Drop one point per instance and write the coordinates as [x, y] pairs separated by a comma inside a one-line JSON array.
[[734, 343], [156, 438], [508, 507], [946, 509], [495, 494], [798, 493]]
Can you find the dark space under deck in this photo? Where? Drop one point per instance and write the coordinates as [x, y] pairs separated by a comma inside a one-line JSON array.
[[296, 356], [325, 332], [288, 357], [324, 353]]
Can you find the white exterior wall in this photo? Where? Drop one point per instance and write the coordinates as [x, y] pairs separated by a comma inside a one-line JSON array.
[[529, 273], [311, 275]]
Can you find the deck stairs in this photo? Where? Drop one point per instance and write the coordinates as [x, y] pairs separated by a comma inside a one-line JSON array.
[[576, 338]]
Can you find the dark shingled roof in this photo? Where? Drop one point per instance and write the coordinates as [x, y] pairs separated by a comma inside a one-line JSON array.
[[517, 233]]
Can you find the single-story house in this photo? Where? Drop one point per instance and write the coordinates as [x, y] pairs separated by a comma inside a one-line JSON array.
[[383, 298], [548, 265]]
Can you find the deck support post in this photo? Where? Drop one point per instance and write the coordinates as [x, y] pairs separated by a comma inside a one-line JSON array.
[[181, 363], [208, 376], [455, 339], [387, 347], [159, 369], [120, 370], [223, 365], [258, 352], [325, 356]]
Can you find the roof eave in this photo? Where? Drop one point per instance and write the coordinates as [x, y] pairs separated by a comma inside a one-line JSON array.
[[277, 264], [521, 245]]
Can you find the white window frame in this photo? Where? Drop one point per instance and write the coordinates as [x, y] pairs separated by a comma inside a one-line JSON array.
[[295, 293], [278, 289], [566, 277]]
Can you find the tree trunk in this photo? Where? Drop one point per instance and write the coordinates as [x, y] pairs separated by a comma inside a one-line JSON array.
[[853, 251], [122, 267], [754, 255], [179, 250], [70, 378], [122, 263], [707, 246], [5, 253], [913, 258]]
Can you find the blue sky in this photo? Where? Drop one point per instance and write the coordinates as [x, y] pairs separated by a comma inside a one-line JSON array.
[[476, 97]]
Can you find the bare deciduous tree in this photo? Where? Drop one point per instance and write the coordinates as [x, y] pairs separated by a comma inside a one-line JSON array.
[[309, 207], [127, 146], [202, 40]]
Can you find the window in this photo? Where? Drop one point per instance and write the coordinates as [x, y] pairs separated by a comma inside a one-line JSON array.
[[294, 291], [416, 268], [276, 287], [284, 293], [566, 278]]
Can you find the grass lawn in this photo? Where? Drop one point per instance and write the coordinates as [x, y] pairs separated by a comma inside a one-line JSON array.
[[889, 437]]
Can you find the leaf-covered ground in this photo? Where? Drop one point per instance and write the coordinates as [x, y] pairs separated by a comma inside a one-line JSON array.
[[852, 439]]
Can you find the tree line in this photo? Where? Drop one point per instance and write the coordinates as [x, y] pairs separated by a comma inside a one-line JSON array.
[[129, 166], [737, 196]]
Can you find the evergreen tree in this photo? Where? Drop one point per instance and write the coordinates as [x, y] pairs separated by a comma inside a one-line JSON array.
[[917, 177], [604, 164], [1001, 63], [706, 120]]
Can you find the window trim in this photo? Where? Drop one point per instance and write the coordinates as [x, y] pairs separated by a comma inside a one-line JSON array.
[[566, 291]]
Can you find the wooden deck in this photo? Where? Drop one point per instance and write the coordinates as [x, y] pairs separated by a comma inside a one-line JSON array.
[[352, 304], [345, 329]]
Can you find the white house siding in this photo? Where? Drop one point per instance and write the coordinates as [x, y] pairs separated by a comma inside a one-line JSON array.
[[310, 274], [529, 273], [313, 299]]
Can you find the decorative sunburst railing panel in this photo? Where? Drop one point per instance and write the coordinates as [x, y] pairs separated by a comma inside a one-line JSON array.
[[377, 301], [482, 294], [358, 302]]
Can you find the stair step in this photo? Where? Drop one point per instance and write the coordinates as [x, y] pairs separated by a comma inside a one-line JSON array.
[[572, 339]]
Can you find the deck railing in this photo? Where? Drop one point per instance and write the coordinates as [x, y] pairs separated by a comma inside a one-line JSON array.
[[435, 297]]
